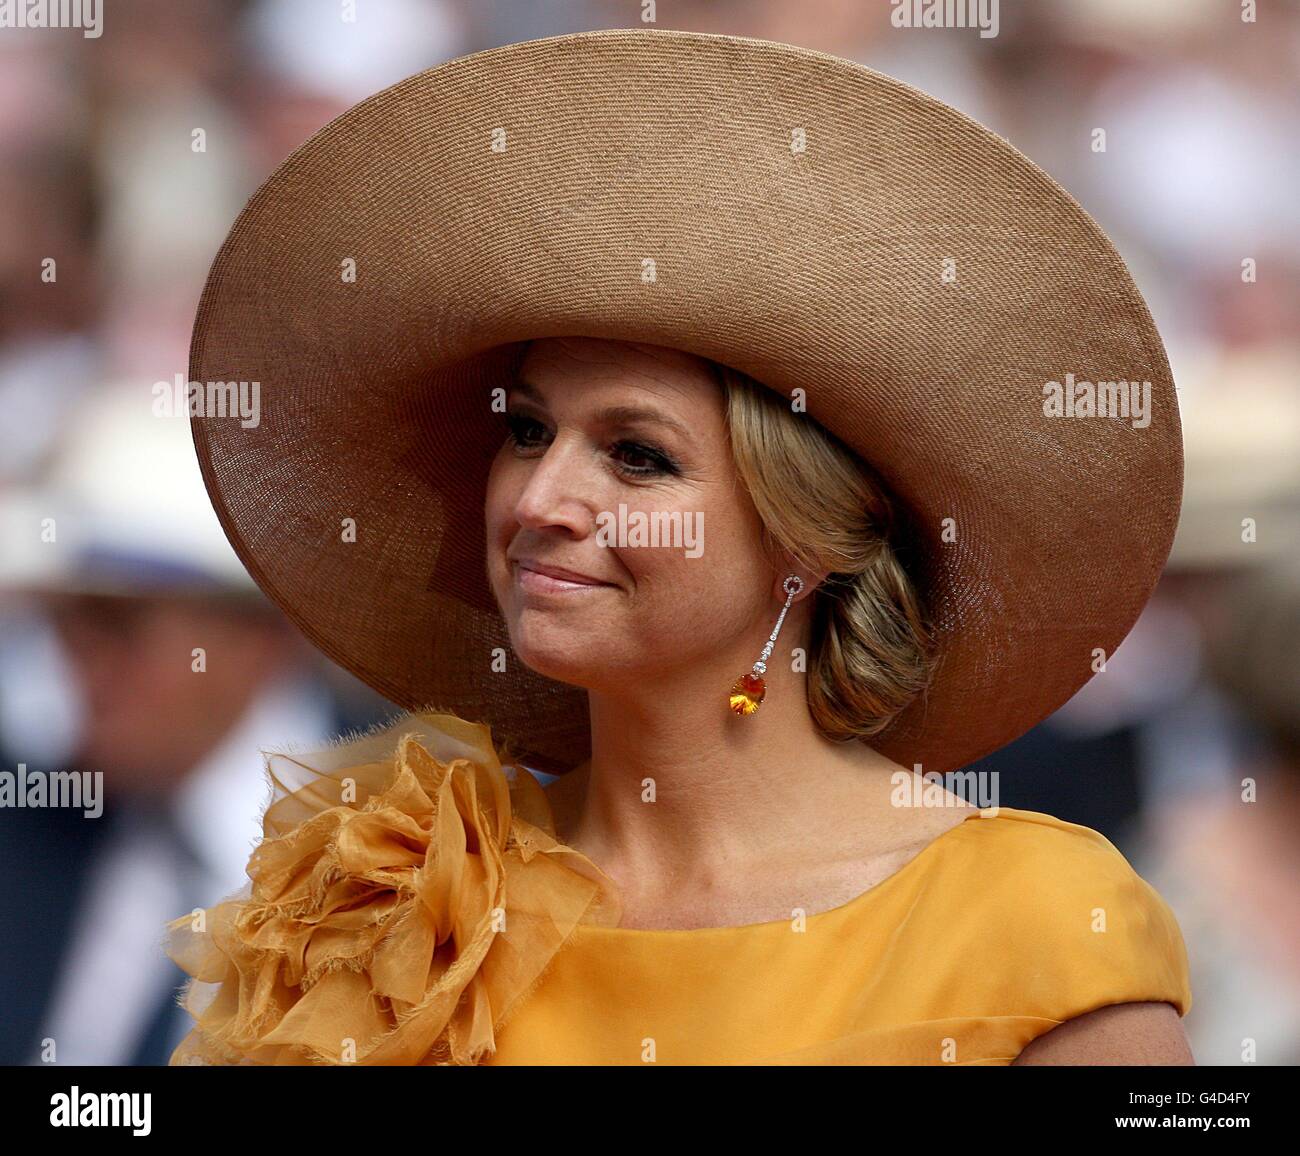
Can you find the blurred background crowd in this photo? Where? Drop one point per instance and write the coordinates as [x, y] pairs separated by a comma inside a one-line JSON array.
[[1185, 752]]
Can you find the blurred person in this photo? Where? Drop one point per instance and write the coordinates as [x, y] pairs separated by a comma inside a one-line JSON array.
[[302, 63], [169, 148], [1228, 855], [134, 647], [1104, 734], [1201, 158], [1222, 843], [49, 287]]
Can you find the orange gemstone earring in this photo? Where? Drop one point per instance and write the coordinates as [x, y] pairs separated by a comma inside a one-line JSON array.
[[748, 690]]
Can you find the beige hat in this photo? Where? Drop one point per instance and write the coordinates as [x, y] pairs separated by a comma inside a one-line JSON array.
[[948, 309]]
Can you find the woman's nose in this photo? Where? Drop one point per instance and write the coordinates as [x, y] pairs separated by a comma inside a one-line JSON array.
[[557, 491]]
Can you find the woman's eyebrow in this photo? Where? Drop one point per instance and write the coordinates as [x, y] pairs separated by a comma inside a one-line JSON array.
[[613, 414], [631, 414]]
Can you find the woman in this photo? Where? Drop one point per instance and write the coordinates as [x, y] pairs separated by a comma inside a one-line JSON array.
[[739, 554]]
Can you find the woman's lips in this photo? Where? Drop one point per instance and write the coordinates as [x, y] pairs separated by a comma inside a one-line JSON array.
[[539, 583]]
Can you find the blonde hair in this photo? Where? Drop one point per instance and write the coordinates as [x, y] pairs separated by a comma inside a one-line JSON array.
[[871, 650]]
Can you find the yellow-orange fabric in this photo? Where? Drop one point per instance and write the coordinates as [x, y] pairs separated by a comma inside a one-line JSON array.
[[409, 904]]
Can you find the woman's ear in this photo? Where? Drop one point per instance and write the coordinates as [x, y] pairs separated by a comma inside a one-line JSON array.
[[811, 580]]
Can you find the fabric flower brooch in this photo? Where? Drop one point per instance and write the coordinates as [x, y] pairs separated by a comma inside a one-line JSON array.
[[406, 896]]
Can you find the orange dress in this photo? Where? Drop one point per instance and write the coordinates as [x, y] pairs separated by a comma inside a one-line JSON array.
[[409, 904]]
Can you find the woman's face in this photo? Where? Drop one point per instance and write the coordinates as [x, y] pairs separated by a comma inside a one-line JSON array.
[[554, 500]]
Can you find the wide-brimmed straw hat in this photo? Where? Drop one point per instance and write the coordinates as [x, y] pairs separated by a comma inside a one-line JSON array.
[[797, 216]]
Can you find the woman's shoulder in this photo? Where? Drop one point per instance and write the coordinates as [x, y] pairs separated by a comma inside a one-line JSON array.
[[1010, 841], [1056, 913], [1046, 867], [1012, 834]]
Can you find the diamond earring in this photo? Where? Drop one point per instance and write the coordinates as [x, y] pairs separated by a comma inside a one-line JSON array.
[[748, 690]]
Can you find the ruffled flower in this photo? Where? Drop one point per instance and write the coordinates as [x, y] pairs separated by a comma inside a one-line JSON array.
[[407, 895]]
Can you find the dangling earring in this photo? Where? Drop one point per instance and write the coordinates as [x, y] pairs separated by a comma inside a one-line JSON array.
[[748, 690]]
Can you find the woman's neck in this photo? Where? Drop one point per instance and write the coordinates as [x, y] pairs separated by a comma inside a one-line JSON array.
[[680, 795]]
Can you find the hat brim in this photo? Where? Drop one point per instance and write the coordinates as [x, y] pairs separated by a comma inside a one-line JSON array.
[[914, 274]]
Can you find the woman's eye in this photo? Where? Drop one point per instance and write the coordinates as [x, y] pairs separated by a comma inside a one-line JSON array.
[[642, 461], [522, 430], [632, 459]]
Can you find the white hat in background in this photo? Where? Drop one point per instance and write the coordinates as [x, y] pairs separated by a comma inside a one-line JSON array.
[[122, 510], [1241, 485]]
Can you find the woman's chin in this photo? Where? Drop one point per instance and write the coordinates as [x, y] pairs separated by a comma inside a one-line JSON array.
[[557, 664]]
